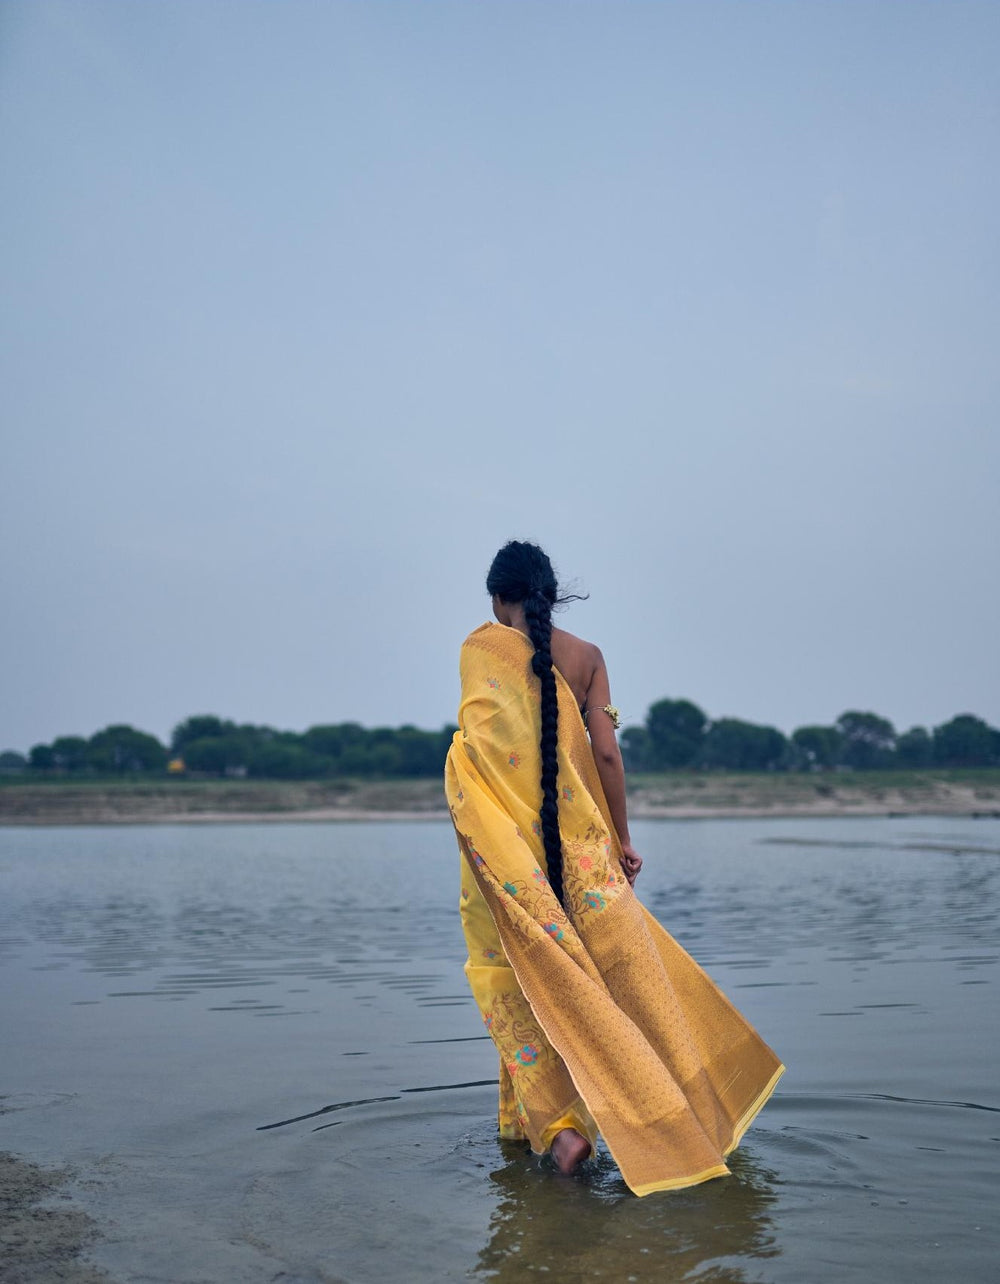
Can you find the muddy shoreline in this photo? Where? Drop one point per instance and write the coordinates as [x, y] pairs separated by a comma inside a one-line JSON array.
[[43, 1235]]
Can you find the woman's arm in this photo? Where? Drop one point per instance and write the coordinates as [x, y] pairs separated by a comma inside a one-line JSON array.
[[608, 759]]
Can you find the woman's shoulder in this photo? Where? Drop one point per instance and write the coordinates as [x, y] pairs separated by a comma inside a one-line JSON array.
[[576, 645], [578, 660]]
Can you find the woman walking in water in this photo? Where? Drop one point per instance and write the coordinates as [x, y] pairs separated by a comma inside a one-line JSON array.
[[602, 1021]]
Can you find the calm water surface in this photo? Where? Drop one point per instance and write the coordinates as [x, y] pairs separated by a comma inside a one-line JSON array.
[[255, 1045]]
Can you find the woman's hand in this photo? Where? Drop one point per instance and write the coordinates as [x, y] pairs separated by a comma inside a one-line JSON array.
[[631, 863]]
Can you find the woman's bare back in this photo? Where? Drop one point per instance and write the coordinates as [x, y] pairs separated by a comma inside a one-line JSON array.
[[578, 661]]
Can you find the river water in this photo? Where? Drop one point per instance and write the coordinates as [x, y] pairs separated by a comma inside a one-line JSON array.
[[255, 1047]]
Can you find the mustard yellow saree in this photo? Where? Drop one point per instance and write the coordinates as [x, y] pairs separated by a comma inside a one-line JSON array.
[[602, 1021]]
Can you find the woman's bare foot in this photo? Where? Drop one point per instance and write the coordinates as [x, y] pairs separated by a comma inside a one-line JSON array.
[[569, 1149]]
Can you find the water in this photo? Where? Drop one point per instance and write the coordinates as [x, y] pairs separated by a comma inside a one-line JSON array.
[[255, 1046]]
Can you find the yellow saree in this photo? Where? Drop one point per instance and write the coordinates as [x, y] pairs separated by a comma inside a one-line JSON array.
[[602, 1021]]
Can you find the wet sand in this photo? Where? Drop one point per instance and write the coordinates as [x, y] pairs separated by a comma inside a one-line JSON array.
[[41, 1238], [665, 796], [248, 1053]]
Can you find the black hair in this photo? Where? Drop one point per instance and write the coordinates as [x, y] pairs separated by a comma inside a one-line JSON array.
[[522, 573]]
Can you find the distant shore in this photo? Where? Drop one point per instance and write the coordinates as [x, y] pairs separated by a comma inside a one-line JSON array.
[[672, 795]]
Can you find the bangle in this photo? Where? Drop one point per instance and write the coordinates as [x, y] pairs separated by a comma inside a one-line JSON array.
[[612, 713]]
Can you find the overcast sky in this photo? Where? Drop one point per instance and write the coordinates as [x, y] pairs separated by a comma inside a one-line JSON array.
[[308, 307]]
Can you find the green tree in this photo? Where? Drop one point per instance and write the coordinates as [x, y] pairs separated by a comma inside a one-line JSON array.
[[217, 755], [636, 749], [41, 758], [12, 763], [120, 749], [421, 753], [201, 726], [966, 741], [331, 739], [868, 740], [675, 729], [372, 757], [914, 748], [326, 740], [743, 746], [283, 761], [818, 748], [71, 753]]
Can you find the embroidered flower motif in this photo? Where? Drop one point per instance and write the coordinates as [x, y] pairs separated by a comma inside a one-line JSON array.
[[512, 1068], [493, 683], [536, 828], [538, 876], [514, 760], [585, 862], [489, 954], [465, 893], [527, 1054], [460, 796], [612, 880], [595, 900], [568, 793], [510, 887], [488, 1020], [554, 930]]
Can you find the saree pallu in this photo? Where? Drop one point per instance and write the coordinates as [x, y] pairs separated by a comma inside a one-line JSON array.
[[603, 1022]]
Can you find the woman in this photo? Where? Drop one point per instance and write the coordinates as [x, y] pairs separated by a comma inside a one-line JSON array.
[[602, 1021]]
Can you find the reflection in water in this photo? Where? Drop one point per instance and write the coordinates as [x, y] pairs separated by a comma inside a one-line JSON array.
[[591, 1226], [867, 950]]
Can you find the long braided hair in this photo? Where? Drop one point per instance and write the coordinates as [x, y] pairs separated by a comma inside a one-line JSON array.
[[522, 573]]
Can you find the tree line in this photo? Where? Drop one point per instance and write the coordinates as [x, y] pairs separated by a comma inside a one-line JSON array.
[[676, 734], [205, 745]]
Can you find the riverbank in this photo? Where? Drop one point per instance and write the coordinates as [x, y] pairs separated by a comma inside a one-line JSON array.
[[677, 795]]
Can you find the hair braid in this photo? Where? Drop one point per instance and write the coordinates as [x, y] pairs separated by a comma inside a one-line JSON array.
[[538, 615], [522, 572]]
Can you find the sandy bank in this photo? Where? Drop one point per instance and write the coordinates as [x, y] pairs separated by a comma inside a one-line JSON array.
[[913, 793], [666, 796]]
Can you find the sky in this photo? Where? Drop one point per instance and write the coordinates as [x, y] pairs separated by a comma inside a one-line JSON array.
[[309, 307]]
